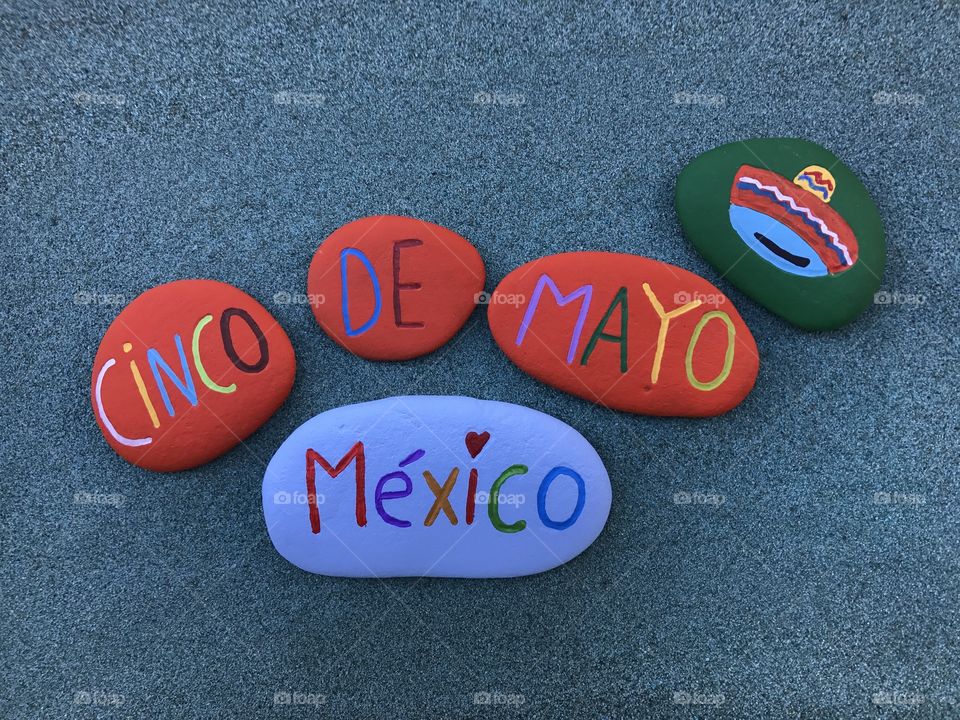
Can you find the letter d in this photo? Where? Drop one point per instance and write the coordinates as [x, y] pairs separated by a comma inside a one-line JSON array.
[[345, 292]]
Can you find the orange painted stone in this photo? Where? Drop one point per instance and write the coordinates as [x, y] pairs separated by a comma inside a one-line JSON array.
[[394, 288], [626, 332], [186, 371]]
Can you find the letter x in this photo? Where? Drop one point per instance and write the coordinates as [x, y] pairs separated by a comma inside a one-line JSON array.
[[443, 497]]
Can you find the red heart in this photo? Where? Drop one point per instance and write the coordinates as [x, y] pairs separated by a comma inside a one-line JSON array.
[[476, 442]]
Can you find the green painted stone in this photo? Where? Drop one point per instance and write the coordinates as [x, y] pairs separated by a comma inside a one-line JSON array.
[[789, 224]]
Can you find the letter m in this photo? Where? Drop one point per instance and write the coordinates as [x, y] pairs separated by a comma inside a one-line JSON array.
[[313, 458], [584, 291]]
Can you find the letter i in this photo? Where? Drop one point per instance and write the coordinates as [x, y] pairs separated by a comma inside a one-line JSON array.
[[475, 443], [471, 495], [138, 379]]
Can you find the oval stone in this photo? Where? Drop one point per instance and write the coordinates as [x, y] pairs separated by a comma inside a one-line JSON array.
[[186, 371], [394, 288], [434, 486], [789, 224], [626, 332]]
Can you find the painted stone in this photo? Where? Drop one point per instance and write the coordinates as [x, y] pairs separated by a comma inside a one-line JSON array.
[[434, 486], [186, 371], [626, 332], [394, 288], [789, 224]]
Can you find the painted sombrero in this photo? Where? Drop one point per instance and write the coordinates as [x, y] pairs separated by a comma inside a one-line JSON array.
[[791, 224]]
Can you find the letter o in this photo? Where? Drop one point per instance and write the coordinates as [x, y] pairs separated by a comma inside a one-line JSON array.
[[542, 498], [231, 350], [727, 358]]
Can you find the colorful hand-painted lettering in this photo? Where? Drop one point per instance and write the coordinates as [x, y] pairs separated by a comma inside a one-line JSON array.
[[441, 493], [627, 332], [434, 485], [186, 371]]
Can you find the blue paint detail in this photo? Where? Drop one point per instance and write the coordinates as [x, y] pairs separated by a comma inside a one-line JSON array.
[[186, 387], [412, 457], [542, 498], [824, 190], [826, 238], [345, 293], [747, 221]]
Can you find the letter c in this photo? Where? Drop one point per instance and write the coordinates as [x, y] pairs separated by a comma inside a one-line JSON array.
[[197, 362], [130, 442], [493, 509]]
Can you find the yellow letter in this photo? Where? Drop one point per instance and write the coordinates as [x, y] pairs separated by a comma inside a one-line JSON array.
[[664, 325], [727, 358]]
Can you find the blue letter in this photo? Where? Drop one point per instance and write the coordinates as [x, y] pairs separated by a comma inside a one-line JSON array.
[[345, 293], [186, 387], [542, 498]]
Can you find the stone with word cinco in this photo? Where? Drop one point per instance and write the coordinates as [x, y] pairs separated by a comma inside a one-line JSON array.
[[626, 332], [789, 224], [439, 486], [394, 288], [186, 371]]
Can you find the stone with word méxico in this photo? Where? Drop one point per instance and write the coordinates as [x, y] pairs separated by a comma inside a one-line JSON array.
[[434, 486], [186, 371], [626, 332], [789, 224], [394, 288]]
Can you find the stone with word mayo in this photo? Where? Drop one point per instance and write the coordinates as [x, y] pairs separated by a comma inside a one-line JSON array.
[[626, 332], [441, 486], [187, 371], [392, 287]]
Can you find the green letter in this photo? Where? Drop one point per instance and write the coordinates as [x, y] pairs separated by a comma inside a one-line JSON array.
[[619, 299], [492, 507]]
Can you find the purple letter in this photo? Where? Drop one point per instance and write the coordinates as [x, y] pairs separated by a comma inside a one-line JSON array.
[[380, 496], [584, 291]]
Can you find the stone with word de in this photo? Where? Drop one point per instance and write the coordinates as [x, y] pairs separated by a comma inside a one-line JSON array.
[[187, 371], [394, 288], [789, 224], [441, 486], [626, 332]]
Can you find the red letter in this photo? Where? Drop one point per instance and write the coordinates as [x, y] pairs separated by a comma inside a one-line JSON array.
[[398, 286], [355, 453]]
